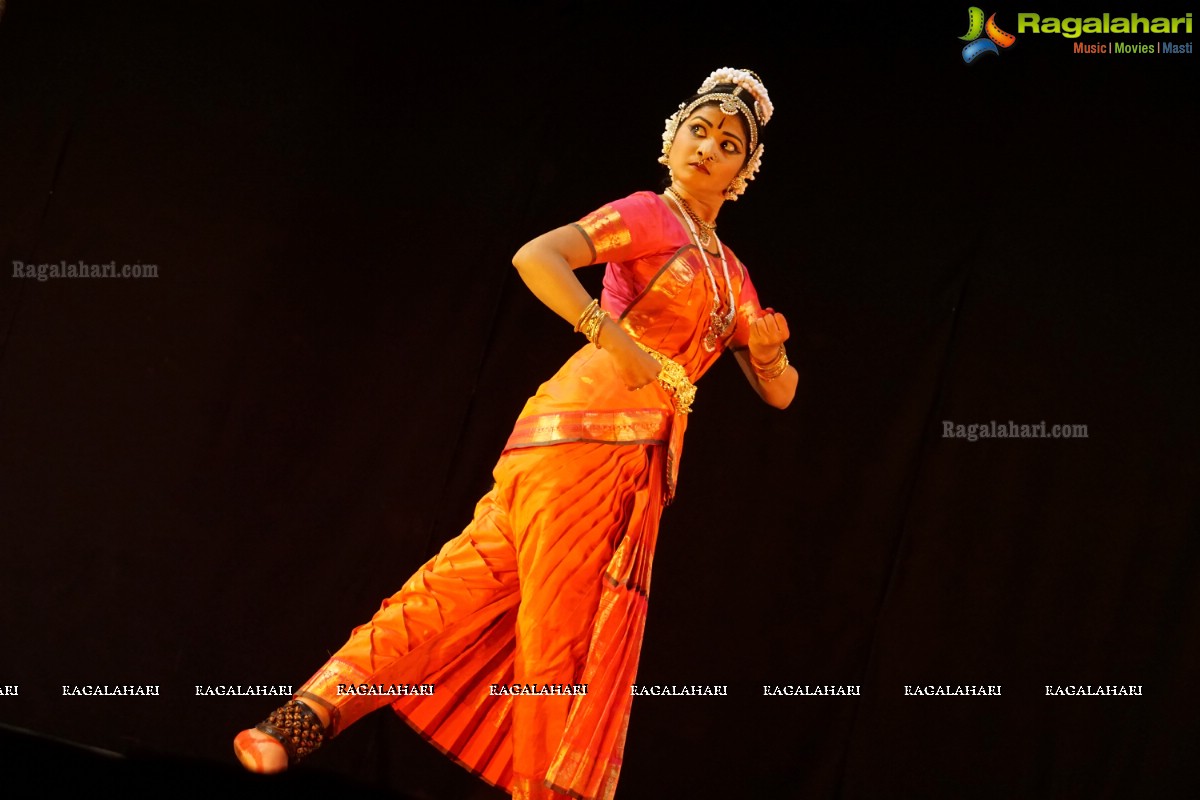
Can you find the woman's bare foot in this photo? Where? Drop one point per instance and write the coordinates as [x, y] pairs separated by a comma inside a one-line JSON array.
[[259, 752], [262, 753]]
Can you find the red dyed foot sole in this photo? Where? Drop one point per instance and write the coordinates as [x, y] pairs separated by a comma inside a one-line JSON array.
[[249, 749]]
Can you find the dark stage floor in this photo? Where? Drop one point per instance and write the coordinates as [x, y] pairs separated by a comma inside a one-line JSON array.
[[40, 766]]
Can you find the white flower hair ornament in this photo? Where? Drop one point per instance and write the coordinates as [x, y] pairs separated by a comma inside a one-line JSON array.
[[757, 113]]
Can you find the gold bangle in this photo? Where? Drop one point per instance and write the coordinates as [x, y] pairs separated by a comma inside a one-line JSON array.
[[590, 322], [588, 310], [771, 370], [592, 329]]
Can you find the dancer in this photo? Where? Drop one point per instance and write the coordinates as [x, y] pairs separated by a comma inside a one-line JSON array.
[[513, 650]]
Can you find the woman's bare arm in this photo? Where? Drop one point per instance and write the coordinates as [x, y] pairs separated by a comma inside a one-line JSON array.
[[767, 335], [547, 265]]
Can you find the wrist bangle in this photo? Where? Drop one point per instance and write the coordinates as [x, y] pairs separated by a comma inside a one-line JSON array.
[[772, 369], [588, 310], [590, 321]]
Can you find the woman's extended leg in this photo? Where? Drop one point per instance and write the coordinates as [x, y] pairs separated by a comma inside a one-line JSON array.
[[547, 585], [441, 610]]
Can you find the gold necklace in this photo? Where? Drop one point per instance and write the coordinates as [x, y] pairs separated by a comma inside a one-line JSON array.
[[718, 324], [706, 228]]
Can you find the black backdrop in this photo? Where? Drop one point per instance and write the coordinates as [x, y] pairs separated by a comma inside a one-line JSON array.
[[210, 476]]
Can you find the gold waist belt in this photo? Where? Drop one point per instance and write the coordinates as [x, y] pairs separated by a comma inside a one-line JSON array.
[[673, 377]]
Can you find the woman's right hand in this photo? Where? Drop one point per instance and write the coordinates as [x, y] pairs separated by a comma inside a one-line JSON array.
[[635, 367]]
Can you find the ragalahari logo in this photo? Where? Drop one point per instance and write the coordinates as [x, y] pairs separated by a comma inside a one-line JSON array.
[[996, 38]]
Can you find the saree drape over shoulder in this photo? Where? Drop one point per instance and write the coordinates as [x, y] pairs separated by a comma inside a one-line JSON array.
[[529, 623]]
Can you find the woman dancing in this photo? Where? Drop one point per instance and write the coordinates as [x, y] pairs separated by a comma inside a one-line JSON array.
[[514, 649]]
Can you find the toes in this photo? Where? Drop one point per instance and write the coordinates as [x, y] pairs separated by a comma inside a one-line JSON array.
[[259, 753]]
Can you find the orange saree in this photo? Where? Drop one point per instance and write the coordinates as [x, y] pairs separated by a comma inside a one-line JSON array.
[[528, 625]]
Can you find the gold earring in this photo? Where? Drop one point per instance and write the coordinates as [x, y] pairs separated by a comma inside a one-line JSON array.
[[736, 188]]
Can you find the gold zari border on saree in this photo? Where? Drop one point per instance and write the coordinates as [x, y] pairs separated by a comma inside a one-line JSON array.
[[632, 426]]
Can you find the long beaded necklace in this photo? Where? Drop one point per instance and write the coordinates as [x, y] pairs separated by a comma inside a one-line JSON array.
[[717, 324]]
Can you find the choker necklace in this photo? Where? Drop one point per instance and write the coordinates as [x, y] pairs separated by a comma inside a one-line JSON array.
[[717, 324], [707, 229]]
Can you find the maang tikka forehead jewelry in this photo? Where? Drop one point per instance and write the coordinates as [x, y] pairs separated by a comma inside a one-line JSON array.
[[757, 114]]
